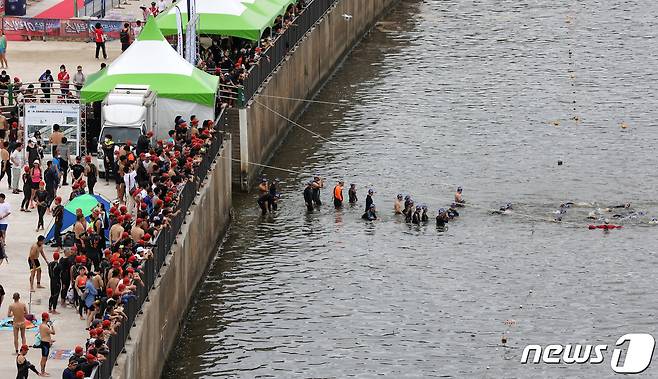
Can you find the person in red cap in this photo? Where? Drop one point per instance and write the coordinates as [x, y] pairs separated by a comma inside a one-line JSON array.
[[55, 275], [70, 370], [46, 332], [23, 365]]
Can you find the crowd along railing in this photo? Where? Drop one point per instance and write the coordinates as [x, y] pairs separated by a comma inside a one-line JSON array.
[[161, 248], [272, 57]]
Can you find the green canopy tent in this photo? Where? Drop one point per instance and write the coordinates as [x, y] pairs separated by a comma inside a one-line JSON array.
[[225, 17], [151, 61], [268, 8]]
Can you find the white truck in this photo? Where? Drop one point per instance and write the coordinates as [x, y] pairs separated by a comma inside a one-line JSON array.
[[127, 112]]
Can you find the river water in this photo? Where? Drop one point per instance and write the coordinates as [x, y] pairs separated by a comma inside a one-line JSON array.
[[484, 94]]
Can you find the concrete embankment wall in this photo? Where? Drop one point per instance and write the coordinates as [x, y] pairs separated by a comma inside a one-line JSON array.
[[156, 330], [300, 76]]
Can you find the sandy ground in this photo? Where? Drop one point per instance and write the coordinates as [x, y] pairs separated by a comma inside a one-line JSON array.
[[28, 60], [14, 277]]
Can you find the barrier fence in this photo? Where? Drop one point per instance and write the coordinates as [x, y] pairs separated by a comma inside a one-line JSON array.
[[272, 57], [19, 28], [161, 248]]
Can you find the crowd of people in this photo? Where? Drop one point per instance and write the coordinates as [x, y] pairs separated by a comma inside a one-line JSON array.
[[95, 268]]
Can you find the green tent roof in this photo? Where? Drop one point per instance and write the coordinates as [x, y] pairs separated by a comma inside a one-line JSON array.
[[151, 61], [237, 18]]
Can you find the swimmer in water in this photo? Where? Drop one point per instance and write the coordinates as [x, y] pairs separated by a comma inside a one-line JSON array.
[[442, 217], [369, 200], [624, 206], [264, 198], [424, 217], [308, 196], [459, 200], [504, 210], [415, 218], [452, 211], [409, 211], [370, 214], [397, 205], [351, 194]]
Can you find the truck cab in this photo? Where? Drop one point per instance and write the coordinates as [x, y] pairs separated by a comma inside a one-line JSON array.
[[127, 112]]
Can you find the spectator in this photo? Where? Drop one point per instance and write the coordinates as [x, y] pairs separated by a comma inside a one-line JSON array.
[[145, 12], [36, 176], [46, 82], [5, 163], [27, 189], [63, 78], [4, 83], [64, 156], [99, 38], [153, 9], [79, 79], [124, 37], [5, 212], [17, 162], [55, 138], [91, 172], [3, 50], [162, 6], [137, 29]]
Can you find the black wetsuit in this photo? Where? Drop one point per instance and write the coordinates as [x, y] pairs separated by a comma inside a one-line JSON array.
[[55, 275], [308, 198], [352, 196], [65, 265], [24, 369], [441, 220], [369, 215], [76, 170], [415, 218], [369, 202], [272, 201], [316, 195], [452, 213], [424, 217]]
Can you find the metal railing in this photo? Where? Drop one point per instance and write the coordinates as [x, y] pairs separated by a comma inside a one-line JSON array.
[[272, 57], [161, 248], [41, 92]]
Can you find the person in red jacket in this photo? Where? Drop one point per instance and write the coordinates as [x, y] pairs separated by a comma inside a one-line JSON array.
[[99, 38], [63, 77]]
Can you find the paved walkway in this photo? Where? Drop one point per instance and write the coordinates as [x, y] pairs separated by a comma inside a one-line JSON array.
[[29, 59], [14, 277]]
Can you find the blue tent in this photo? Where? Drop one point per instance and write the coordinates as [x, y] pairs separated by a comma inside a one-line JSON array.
[[86, 203]]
